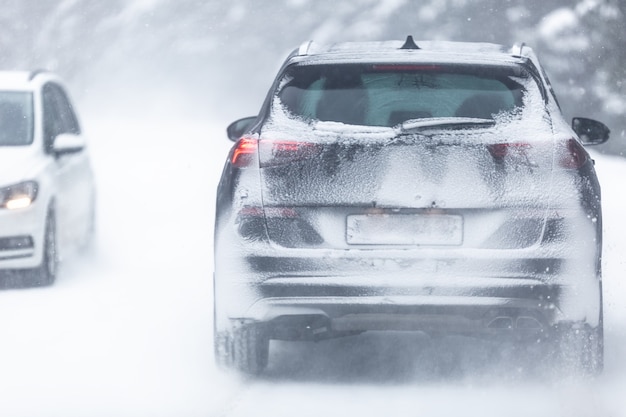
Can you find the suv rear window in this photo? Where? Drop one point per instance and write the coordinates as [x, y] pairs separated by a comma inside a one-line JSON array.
[[16, 118], [388, 94]]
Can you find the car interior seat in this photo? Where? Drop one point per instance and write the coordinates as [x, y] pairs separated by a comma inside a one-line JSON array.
[[344, 100], [481, 106], [13, 125], [398, 116]]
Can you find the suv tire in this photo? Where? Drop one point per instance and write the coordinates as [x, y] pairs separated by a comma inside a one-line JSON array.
[[250, 348], [581, 349]]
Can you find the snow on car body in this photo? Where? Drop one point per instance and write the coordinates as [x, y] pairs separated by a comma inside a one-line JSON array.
[[430, 188]]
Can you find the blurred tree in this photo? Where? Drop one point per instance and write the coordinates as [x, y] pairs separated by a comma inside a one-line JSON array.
[[20, 21], [583, 48]]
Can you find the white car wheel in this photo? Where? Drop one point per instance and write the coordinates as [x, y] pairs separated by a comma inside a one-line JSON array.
[[46, 273]]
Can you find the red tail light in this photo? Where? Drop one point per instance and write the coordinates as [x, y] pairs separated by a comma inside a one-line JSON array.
[[251, 211], [405, 67], [572, 155], [244, 152], [273, 152], [279, 152], [500, 150]]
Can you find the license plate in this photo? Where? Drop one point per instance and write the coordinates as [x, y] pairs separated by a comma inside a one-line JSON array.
[[404, 229]]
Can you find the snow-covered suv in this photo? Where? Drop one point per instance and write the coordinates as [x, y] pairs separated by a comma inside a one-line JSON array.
[[429, 187], [47, 191]]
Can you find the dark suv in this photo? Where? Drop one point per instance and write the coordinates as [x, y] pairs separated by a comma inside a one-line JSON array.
[[429, 187]]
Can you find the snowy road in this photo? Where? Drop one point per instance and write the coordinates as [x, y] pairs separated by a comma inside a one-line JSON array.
[[127, 331]]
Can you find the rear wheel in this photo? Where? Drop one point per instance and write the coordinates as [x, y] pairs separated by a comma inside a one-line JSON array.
[[581, 349], [250, 348], [223, 350]]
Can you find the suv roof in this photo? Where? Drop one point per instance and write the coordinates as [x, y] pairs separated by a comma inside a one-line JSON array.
[[439, 51]]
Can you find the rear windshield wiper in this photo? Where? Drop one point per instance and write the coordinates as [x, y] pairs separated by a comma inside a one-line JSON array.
[[445, 123]]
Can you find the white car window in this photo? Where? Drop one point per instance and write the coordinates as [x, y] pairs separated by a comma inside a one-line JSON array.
[[16, 118]]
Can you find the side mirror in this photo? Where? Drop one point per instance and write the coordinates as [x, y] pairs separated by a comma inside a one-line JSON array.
[[590, 132], [67, 143], [237, 128]]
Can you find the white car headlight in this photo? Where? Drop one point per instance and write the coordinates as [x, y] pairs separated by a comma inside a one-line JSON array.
[[19, 195]]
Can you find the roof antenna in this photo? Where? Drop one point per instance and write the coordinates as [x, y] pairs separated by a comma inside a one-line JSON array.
[[409, 43], [521, 47]]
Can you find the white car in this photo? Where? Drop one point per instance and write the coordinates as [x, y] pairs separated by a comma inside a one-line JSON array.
[[47, 192]]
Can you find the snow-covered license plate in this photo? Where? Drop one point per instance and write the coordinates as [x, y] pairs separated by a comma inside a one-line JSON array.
[[404, 229]]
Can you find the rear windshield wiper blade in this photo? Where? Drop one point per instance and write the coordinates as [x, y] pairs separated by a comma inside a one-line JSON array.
[[445, 123]]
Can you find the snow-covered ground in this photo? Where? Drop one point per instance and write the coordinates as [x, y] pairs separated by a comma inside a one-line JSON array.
[[126, 331]]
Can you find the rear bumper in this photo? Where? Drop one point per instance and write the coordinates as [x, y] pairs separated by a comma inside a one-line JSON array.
[[310, 318], [304, 308], [466, 291]]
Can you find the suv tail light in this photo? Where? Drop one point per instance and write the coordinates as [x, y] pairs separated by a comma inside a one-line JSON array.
[[282, 225], [280, 152], [501, 150], [244, 151], [572, 155], [273, 152]]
